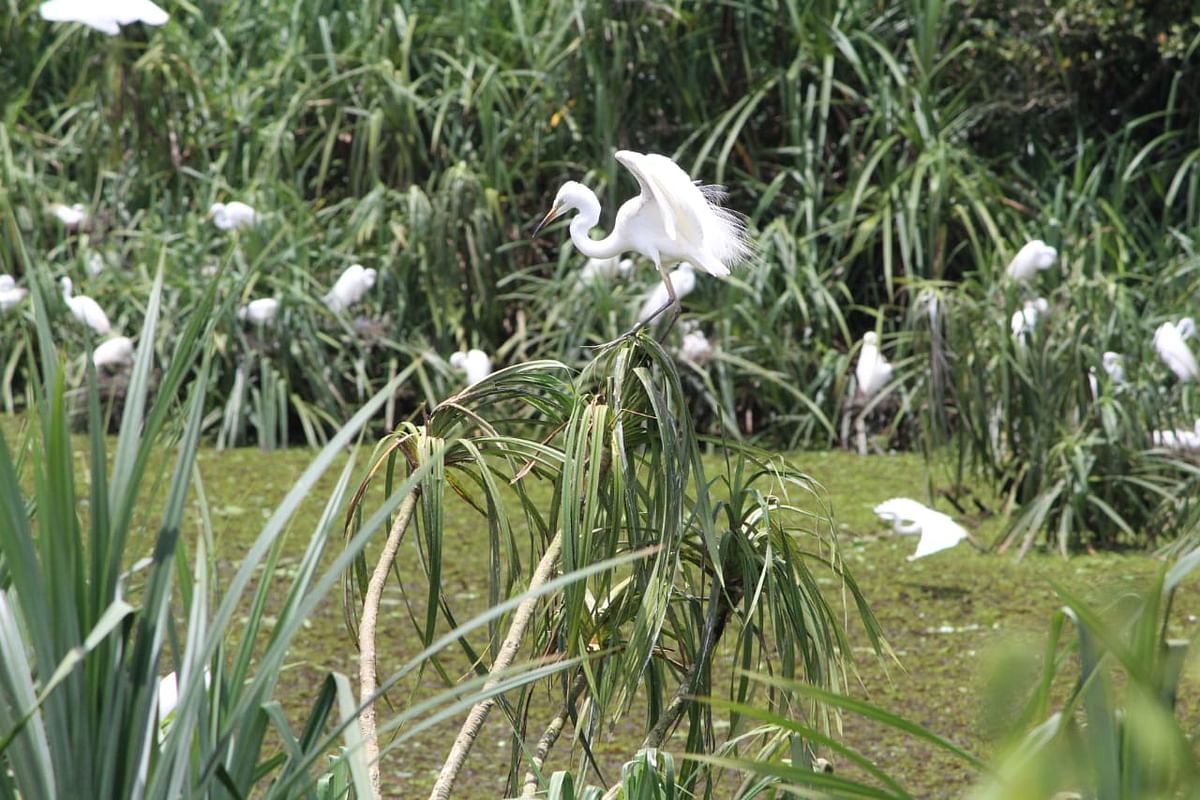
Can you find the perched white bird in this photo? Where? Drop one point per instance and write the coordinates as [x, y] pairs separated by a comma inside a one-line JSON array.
[[1178, 439], [1169, 341], [260, 311], [85, 309], [106, 16], [70, 216], [682, 283], [1114, 366], [601, 270], [873, 370], [1030, 259], [1025, 319], [695, 348], [233, 216], [672, 220], [10, 293], [909, 517], [114, 352], [351, 286], [475, 363]]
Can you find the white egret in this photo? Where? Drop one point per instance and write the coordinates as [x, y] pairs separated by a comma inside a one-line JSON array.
[[1025, 319], [1114, 366], [233, 216], [600, 270], [474, 362], [114, 352], [1169, 341], [85, 309], [350, 287], [873, 370], [1178, 439], [95, 264], [70, 216], [672, 220], [260, 311], [696, 349], [678, 285], [908, 517], [10, 293], [1035, 256], [106, 16]]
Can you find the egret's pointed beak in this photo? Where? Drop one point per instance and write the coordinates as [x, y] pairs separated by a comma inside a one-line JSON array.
[[551, 215]]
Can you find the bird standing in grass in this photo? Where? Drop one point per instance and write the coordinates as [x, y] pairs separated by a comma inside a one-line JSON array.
[[873, 370], [474, 362], [1031, 259], [260, 311], [85, 309], [1170, 340], [1114, 366], [233, 216], [10, 293], [908, 517], [114, 352], [672, 220], [106, 16], [599, 270], [71, 216], [351, 286]]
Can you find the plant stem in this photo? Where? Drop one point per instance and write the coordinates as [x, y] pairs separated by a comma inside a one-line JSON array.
[[714, 626], [553, 730], [508, 651], [366, 639]]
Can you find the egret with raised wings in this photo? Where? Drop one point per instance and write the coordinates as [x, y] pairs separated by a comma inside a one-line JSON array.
[[672, 220]]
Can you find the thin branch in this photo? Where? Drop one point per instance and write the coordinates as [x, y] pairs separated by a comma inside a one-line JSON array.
[[553, 730], [714, 626], [366, 639], [508, 651]]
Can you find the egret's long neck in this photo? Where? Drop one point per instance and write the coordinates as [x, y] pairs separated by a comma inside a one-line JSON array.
[[581, 226]]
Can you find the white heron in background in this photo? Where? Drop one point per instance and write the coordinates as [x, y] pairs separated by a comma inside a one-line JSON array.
[[1034, 257], [115, 352], [696, 349], [678, 284], [1025, 319], [1178, 439], [351, 286], [873, 370], [1114, 366], [672, 220], [260, 312], [233, 216], [474, 362], [908, 517], [10, 293], [1170, 342], [106, 16], [602, 270], [70, 216], [85, 309]]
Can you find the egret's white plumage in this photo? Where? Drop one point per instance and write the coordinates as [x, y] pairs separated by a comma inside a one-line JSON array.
[[10, 293], [1035, 256], [908, 517], [85, 309], [672, 220], [601, 270], [233, 216], [683, 281], [1025, 319], [114, 352], [1178, 439], [351, 286], [474, 362], [1114, 366], [1170, 342], [106, 16], [71, 216], [695, 348], [873, 370], [260, 311]]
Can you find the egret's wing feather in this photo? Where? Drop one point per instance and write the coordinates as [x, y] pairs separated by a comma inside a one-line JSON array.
[[671, 190]]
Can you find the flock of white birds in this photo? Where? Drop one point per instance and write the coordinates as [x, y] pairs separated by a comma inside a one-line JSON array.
[[672, 221]]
